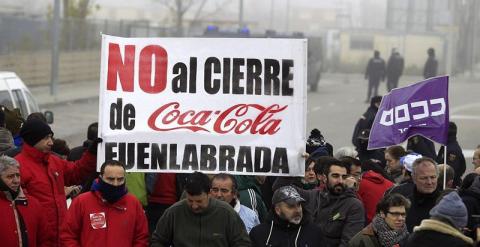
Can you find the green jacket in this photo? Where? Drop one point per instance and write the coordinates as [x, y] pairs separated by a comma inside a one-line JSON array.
[[218, 226], [249, 194], [135, 182]]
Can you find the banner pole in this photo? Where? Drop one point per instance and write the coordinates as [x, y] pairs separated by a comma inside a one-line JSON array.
[[445, 167]]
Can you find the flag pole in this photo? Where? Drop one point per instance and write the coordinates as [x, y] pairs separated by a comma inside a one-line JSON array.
[[444, 167]]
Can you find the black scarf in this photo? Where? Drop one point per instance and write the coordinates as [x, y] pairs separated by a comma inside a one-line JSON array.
[[109, 192]]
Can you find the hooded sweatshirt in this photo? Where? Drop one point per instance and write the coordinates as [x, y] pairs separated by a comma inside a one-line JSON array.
[[281, 233], [371, 190]]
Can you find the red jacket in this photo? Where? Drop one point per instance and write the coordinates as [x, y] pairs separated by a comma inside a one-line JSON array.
[[91, 221], [371, 190], [30, 210], [44, 176]]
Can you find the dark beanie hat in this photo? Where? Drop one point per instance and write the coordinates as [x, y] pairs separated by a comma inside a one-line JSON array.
[[34, 130]]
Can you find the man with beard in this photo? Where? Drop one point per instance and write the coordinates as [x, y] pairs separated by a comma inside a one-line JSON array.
[[107, 215], [200, 220], [288, 227], [224, 188], [337, 211]]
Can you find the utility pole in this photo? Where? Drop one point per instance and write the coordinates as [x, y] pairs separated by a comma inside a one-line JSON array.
[[288, 16], [474, 37], [55, 39], [272, 6]]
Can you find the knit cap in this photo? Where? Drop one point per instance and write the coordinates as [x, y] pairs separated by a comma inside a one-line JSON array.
[[35, 130], [452, 208]]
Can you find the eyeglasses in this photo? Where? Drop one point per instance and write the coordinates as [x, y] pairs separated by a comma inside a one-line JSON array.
[[398, 214]]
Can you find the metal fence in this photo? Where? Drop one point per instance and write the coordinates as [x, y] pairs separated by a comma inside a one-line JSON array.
[[25, 46], [22, 34]]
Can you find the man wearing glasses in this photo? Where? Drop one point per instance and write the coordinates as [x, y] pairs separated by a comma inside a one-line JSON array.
[[388, 226]]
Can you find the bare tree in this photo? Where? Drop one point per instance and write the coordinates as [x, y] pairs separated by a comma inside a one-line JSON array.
[[180, 7]]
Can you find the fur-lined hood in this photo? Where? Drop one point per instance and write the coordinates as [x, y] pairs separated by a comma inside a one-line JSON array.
[[438, 226]]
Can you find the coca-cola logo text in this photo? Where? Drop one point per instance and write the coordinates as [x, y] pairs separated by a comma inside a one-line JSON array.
[[239, 119]]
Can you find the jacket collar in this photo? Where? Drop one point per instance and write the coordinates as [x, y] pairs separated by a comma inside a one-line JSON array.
[[34, 153], [368, 230], [21, 199], [120, 204], [438, 226], [237, 206]]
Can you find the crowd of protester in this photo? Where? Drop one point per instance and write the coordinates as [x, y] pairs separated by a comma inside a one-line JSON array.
[[349, 196]]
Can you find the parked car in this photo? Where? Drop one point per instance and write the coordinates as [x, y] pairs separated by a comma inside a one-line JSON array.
[[15, 94]]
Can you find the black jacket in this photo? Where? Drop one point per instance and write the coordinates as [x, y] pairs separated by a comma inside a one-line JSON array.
[[376, 69], [365, 122], [395, 66], [339, 217], [422, 145], [455, 159], [430, 69], [420, 207], [471, 198], [285, 234], [405, 189], [434, 233]]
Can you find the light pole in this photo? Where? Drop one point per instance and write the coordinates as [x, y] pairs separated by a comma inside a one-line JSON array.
[[240, 15], [55, 38]]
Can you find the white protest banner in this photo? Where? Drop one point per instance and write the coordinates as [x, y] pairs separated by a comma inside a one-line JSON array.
[[209, 105]]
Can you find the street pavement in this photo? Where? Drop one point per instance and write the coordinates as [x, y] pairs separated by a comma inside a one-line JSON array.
[[334, 109]]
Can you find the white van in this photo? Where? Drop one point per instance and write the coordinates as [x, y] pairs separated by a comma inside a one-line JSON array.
[[15, 94]]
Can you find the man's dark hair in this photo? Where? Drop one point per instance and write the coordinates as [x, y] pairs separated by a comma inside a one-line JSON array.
[[392, 200], [396, 151], [376, 166], [111, 163], [60, 146], [197, 183], [332, 162], [225, 176], [92, 131], [350, 161]]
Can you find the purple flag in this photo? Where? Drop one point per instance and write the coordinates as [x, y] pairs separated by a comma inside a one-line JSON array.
[[418, 109]]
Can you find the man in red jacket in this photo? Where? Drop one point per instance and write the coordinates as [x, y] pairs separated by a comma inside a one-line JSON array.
[[106, 216], [22, 219], [44, 175], [372, 187]]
